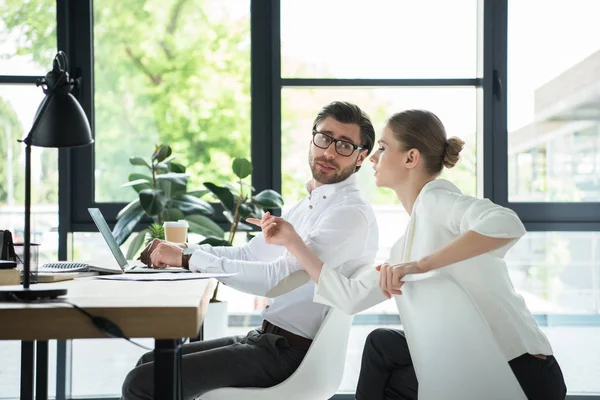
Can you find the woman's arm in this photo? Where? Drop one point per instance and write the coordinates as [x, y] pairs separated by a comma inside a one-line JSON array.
[[468, 245], [480, 227]]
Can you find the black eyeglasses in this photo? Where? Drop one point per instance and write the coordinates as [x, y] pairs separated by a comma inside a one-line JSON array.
[[342, 147]]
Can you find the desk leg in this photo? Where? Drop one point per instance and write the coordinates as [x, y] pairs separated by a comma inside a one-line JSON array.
[[167, 373], [27, 361], [64, 361], [41, 370]]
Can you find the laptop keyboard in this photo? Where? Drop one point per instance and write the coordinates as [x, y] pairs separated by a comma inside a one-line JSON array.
[[64, 267]]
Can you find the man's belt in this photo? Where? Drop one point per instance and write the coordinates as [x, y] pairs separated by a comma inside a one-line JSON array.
[[297, 341]]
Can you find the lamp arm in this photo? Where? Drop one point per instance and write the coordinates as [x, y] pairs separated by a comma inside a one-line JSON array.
[[27, 233]]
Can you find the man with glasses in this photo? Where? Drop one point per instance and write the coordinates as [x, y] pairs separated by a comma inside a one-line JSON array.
[[336, 222]]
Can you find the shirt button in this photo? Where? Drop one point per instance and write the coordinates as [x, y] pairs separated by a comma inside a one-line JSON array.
[[310, 206], [324, 197]]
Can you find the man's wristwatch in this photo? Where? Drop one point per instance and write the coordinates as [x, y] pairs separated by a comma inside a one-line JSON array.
[[186, 254]]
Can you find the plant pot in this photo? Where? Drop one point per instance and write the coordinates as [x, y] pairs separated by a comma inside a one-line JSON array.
[[216, 320]]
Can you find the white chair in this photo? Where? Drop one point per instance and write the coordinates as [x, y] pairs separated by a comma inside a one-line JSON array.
[[318, 376], [454, 352]]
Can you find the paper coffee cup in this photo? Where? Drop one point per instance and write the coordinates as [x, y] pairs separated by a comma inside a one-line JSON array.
[[176, 231]]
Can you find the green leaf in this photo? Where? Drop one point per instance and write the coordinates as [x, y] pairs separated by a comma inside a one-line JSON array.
[[180, 179], [136, 176], [162, 168], [245, 211], [244, 227], [139, 182], [170, 158], [168, 166], [223, 194], [127, 219], [172, 214], [176, 167], [198, 193], [241, 226], [172, 184], [268, 199], [215, 241], [241, 167], [232, 188], [155, 231], [161, 153], [153, 201], [204, 226], [136, 244], [138, 185], [139, 161], [192, 205]]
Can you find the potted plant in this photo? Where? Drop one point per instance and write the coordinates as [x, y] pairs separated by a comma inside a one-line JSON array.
[[163, 196], [239, 202]]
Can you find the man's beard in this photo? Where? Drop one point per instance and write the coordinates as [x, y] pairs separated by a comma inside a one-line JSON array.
[[327, 178]]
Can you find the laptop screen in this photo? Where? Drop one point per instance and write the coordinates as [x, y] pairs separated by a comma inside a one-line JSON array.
[[108, 236]]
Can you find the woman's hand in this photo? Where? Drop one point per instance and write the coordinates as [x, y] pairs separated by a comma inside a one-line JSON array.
[[276, 230], [390, 276]]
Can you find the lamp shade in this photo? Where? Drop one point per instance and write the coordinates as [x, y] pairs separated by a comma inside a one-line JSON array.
[[61, 122]]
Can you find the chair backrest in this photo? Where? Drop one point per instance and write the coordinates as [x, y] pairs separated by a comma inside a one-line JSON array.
[[318, 376], [454, 352]]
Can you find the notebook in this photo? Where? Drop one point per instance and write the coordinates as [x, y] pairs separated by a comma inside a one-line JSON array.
[[124, 265]]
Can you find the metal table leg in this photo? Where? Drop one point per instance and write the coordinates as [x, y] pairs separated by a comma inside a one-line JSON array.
[[27, 361], [41, 370], [167, 372], [64, 361]]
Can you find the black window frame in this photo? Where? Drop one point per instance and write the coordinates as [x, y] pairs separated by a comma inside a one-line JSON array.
[[76, 173]]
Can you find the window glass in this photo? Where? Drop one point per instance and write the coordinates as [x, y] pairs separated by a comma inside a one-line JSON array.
[[379, 39], [553, 114], [27, 36], [170, 72]]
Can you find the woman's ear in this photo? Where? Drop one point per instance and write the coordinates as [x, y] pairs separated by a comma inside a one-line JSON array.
[[413, 156]]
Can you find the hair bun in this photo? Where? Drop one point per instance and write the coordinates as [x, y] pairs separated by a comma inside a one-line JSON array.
[[454, 146]]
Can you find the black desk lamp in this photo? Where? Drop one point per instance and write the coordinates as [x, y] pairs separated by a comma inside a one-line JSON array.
[[59, 122]]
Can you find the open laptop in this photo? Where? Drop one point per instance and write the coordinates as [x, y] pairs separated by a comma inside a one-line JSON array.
[[125, 266]]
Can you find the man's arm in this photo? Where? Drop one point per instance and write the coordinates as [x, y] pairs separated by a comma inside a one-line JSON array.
[[254, 277], [337, 238]]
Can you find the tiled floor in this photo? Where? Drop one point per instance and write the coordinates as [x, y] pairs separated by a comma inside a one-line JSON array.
[[100, 365]]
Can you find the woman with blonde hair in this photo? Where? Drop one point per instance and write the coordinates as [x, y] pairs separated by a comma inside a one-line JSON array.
[[464, 236]]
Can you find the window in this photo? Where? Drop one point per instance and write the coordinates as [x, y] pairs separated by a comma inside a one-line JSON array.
[[456, 107], [338, 57], [420, 39], [552, 101], [552, 153], [175, 73], [558, 275], [27, 48]]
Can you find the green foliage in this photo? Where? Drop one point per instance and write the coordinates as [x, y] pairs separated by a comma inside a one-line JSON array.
[[10, 130], [239, 203], [165, 71], [163, 196]]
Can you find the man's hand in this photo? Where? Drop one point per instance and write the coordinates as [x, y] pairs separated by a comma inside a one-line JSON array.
[[276, 230], [145, 255], [390, 276], [166, 254]]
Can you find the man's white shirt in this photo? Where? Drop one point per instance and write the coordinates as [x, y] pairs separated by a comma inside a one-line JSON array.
[[336, 221]]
